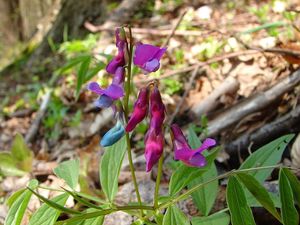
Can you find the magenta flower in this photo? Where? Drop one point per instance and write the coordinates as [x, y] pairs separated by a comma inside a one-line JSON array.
[[140, 110], [119, 59], [112, 92], [183, 152], [147, 57], [157, 110], [154, 144]]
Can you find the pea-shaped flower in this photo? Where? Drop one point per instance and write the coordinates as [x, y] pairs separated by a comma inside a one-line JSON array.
[[112, 92], [147, 57], [119, 59], [157, 110], [154, 144], [140, 110], [183, 152], [113, 135]]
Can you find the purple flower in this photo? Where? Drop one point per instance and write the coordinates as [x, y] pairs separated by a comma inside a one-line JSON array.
[[140, 110], [112, 92], [183, 152], [157, 110], [119, 59], [154, 144], [147, 57]]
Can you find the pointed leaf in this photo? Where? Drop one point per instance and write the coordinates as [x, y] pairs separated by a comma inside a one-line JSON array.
[[214, 219], [83, 69], [295, 184], [21, 153], [259, 192], [8, 165], [54, 204], [14, 197], [110, 168], [267, 155], [175, 216], [289, 212], [47, 215], [69, 172], [205, 197], [190, 173], [239, 210], [17, 210]]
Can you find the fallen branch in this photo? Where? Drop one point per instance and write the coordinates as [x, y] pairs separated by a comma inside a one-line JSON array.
[[229, 85], [39, 116], [253, 104], [289, 123], [200, 64]]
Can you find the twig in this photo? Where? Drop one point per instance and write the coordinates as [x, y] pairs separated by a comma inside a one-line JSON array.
[[200, 64], [40, 114], [174, 29], [187, 89]]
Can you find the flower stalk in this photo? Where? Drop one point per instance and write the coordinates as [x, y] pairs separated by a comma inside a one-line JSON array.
[[158, 178]]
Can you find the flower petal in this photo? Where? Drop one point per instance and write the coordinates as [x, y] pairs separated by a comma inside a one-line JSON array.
[[207, 143], [103, 101], [183, 154], [94, 87], [151, 66], [114, 91], [144, 53], [197, 160]]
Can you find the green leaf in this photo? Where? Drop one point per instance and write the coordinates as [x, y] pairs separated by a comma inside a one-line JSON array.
[[14, 197], [190, 173], [259, 192], [83, 69], [21, 153], [84, 216], [54, 204], [17, 210], [8, 165], [239, 210], [73, 62], [110, 166], [295, 184], [69, 172], [214, 219], [93, 71], [47, 215], [175, 216], [289, 213], [205, 197], [268, 155]]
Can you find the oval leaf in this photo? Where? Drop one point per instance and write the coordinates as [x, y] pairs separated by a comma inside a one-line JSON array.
[[175, 216], [259, 192], [205, 197], [69, 172], [110, 166], [268, 155], [239, 210], [289, 213]]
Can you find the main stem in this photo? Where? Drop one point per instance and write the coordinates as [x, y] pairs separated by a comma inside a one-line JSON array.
[[126, 106], [158, 178]]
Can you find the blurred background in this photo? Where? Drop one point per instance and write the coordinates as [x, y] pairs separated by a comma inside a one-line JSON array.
[[230, 72]]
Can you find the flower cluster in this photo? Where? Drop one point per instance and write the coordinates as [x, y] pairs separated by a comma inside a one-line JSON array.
[[149, 102]]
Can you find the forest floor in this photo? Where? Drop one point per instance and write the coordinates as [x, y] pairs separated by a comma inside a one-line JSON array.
[[219, 56]]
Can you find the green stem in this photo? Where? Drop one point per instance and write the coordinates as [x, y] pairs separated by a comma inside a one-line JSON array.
[[158, 178], [126, 106], [195, 188], [132, 207]]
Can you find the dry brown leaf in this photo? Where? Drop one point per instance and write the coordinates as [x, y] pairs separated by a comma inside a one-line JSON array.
[[289, 58]]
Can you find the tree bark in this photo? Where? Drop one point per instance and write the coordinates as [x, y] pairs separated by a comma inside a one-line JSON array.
[[72, 16]]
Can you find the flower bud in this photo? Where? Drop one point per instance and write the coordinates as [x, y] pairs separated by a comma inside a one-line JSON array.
[[140, 110], [113, 135], [157, 110]]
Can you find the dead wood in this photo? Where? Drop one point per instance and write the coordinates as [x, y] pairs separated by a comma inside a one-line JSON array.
[[253, 104], [229, 85], [289, 123]]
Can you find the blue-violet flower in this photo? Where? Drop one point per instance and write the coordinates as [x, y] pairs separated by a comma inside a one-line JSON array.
[[113, 135]]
